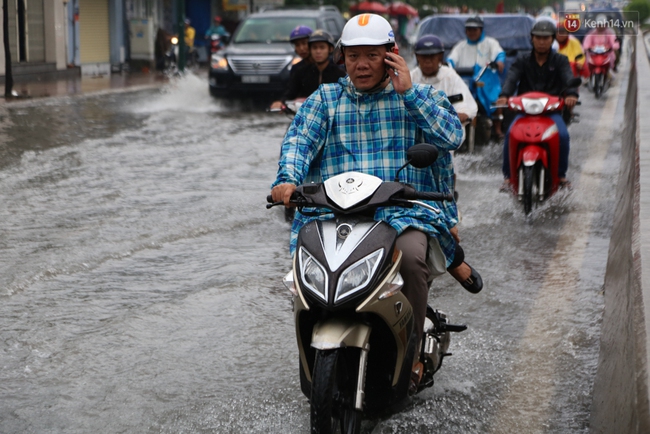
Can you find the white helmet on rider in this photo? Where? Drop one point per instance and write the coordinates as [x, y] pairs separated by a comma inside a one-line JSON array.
[[367, 29]]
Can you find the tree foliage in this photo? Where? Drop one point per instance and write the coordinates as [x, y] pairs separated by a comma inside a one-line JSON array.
[[640, 6]]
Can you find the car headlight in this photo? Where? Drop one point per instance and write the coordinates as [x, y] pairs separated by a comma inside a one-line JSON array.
[[357, 275], [294, 61], [218, 62], [534, 106], [312, 274], [549, 132]]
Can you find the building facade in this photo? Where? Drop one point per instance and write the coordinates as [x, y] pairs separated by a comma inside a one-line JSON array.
[[90, 37]]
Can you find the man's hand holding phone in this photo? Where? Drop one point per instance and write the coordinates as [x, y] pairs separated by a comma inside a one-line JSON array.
[[398, 71]]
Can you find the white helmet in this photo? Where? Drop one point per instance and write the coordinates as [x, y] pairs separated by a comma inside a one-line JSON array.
[[367, 29]]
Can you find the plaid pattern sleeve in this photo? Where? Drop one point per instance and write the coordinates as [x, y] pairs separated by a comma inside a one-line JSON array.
[[338, 130]]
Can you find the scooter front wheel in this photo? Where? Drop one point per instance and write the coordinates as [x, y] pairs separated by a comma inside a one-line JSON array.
[[332, 396], [528, 188], [598, 85]]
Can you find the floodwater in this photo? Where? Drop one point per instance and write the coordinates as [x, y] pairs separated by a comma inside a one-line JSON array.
[[140, 276]]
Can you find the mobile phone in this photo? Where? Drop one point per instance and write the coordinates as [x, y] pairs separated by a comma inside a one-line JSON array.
[[387, 65]]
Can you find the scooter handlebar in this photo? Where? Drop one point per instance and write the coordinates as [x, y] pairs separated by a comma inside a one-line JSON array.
[[428, 195]]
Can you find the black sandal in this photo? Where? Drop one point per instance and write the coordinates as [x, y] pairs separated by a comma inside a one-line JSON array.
[[566, 185]]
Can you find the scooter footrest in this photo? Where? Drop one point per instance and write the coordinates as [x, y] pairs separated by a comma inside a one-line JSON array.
[[454, 327]]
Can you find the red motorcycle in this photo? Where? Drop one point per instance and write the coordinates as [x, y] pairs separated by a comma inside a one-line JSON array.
[[577, 69], [534, 146], [598, 61], [217, 42]]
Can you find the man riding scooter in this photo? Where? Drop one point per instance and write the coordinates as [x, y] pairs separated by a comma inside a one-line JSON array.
[[605, 37], [543, 70], [476, 52], [299, 39], [216, 29], [429, 52]]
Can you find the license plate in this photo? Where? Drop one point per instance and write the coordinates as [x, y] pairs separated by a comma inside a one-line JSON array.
[[255, 79]]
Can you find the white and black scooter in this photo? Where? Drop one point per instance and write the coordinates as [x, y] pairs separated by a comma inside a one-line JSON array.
[[355, 329]]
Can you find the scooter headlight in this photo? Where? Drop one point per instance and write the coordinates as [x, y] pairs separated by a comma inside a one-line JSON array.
[[534, 106], [549, 132], [358, 275], [312, 274]]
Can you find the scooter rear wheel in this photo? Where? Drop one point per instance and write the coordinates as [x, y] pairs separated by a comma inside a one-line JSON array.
[[332, 394]]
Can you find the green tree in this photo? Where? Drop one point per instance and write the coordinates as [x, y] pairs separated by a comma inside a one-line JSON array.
[[640, 6]]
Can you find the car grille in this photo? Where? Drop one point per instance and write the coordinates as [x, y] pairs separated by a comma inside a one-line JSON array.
[[259, 64]]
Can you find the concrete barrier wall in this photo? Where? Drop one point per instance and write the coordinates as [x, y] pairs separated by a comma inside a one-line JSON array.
[[620, 396]]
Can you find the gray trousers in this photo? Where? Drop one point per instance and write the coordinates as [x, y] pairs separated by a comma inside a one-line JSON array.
[[415, 272]]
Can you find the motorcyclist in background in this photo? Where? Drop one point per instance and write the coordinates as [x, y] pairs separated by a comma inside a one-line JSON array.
[[475, 52], [217, 29], [299, 39], [603, 35], [321, 69], [429, 52], [570, 46], [542, 70], [189, 34]]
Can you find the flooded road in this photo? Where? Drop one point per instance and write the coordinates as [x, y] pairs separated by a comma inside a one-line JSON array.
[[140, 276]]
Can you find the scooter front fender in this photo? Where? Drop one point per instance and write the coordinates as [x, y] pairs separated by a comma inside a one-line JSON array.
[[335, 333], [531, 154]]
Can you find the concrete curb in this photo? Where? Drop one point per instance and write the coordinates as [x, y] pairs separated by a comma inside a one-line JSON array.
[[621, 403]]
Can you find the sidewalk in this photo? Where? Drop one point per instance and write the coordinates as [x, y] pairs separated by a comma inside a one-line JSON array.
[[84, 85]]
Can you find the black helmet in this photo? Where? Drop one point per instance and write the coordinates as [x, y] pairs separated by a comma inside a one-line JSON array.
[[320, 35], [474, 21], [429, 44], [544, 28]]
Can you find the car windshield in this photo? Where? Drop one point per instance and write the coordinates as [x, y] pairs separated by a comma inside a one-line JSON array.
[[270, 29]]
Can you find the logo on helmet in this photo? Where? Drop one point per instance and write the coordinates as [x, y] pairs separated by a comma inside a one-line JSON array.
[[364, 19]]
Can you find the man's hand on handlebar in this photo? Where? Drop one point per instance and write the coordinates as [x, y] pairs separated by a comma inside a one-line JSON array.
[[462, 117], [282, 193], [570, 101], [503, 100], [500, 67]]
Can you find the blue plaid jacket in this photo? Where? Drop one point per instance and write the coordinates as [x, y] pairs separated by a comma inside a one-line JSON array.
[[338, 129]]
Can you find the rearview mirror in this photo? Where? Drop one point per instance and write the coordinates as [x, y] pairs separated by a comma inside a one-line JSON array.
[[422, 155], [579, 56]]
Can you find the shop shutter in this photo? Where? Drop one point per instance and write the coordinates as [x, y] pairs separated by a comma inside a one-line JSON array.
[[35, 31], [93, 31]]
